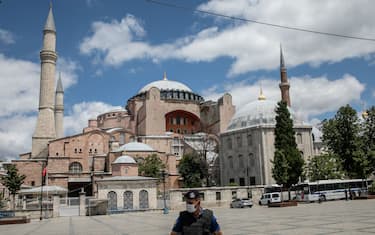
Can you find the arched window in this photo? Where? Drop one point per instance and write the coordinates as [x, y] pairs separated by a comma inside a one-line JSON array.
[[230, 158], [143, 199], [75, 168], [240, 161], [229, 143], [112, 200], [249, 140], [128, 200]]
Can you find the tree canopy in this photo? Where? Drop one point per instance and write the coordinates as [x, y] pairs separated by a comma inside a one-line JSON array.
[[151, 166], [13, 181], [288, 162], [324, 166], [190, 168], [352, 140]]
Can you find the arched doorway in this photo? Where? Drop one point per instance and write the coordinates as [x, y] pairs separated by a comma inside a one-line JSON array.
[[143, 199], [128, 200], [112, 200]]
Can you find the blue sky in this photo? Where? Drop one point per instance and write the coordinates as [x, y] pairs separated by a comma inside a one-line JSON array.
[[108, 50]]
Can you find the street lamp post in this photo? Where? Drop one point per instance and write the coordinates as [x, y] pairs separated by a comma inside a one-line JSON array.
[[163, 174], [41, 191]]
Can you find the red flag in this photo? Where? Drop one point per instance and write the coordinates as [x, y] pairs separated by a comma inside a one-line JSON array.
[[44, 172]]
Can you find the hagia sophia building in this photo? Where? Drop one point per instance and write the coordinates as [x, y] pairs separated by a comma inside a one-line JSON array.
[[165, 118]]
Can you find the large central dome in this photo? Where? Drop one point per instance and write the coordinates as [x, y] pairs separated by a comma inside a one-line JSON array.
[[170, 90], [165, 84]]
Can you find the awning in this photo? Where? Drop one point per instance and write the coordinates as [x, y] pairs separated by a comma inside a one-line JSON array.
[[79, 180], [46, 189]]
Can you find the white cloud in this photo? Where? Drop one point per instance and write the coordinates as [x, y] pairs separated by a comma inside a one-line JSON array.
[[20, 84], [68, 69], [15, 135], [90, 3], [252, 46], [77, 119], [6, 37], [19, 96], [19, 92], [310, 97], [16, 131]]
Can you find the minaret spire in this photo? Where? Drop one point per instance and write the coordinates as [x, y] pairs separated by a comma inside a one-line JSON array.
[[165, 76], [282, 63], [45, 128], [284, 84], [59, 109], [50, 22]]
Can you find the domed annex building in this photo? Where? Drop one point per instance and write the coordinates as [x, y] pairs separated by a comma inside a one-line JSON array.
[[163, 118], [247, 146]]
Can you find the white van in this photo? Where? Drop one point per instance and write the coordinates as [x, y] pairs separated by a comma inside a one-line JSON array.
[[268, 198]]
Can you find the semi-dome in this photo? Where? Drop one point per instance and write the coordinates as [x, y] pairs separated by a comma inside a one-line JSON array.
[[135, 147], [125, 159], [165, 85], [259, 112]]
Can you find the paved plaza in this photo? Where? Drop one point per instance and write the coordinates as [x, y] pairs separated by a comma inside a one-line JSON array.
[[337, 217]]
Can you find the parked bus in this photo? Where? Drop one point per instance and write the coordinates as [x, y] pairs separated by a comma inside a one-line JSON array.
[[323, 190]]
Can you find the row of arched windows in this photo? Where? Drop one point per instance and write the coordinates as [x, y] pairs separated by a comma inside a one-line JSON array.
[[128, 200], [242, 161]]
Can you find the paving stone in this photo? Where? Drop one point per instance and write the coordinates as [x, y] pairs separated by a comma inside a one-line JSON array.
[[336, 217]]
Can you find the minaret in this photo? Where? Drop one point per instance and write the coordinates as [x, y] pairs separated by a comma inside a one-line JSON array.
[[59, 109], [284, 84], [45, 127]]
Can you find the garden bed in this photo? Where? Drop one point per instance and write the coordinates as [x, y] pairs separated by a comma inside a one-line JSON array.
[[283, 204], [15, 220]]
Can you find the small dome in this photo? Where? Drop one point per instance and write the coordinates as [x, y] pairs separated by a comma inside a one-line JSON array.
[[135, 147], [125, 159], [165, 85], [259, 112]]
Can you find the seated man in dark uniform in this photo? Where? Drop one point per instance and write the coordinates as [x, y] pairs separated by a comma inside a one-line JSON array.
[[195, 220]]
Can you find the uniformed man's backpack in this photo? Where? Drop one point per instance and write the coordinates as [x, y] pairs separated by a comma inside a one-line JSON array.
[[199, 227]]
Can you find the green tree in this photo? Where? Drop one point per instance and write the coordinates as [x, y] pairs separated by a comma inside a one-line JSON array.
[[151, 166], [190, 168], [344, 137], [323, 167], [288, 162], [280, 167], [13, 181], [369, 137]]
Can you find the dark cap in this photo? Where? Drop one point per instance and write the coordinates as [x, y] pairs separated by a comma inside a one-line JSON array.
[[192, 194]]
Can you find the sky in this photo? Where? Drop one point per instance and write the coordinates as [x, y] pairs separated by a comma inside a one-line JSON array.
[[108, 50]]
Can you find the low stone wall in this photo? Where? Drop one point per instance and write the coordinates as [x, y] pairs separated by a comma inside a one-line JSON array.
[[216, 196], [34, 214], [97, 207]]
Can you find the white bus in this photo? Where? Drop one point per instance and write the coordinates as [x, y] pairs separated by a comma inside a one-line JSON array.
[[323, 190]]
